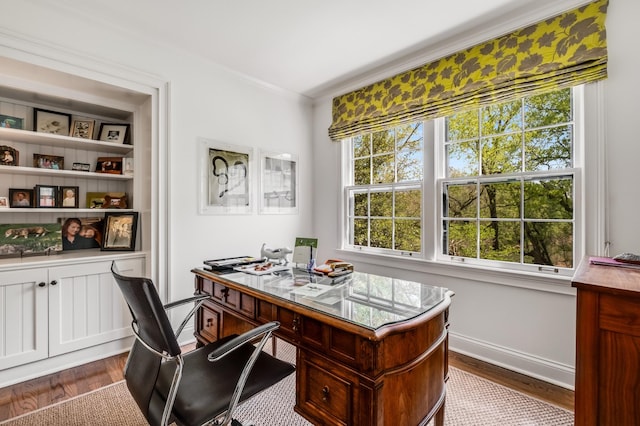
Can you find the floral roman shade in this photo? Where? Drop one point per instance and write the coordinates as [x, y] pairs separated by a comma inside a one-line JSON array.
[[562, 51]]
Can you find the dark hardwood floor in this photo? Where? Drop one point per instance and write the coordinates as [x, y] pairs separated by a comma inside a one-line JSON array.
[[37, 393]]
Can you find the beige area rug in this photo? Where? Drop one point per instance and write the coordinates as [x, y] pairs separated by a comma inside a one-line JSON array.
[[471, 401]]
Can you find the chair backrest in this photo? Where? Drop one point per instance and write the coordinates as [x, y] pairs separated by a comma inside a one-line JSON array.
[[153, 327]]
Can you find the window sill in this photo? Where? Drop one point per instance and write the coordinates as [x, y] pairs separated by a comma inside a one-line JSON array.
[[521, 279]]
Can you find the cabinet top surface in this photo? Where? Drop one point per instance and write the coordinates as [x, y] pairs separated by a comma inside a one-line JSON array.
[[607, 278], [366, 300]]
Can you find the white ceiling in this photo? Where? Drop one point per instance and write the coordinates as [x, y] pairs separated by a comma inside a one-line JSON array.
[[308, 46]]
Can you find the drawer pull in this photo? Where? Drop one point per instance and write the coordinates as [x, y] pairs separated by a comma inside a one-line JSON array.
[[325, 393], [209, 322], [295, 324]]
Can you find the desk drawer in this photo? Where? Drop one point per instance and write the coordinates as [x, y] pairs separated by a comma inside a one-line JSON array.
[[209, 321], [233, 299]]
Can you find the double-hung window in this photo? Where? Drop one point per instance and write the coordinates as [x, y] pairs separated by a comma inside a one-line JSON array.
[[504, 183]]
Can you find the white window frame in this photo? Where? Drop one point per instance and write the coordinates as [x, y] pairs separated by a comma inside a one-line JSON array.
[[590, 207]]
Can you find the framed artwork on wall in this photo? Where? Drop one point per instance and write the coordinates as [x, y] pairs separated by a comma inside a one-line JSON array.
[[226, 174], [278, 183], [54, 122]]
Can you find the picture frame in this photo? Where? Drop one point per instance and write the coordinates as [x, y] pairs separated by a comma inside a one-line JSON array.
[[20, 198], [106, 200], [29, 239], [11, 122], [9, 156], [69, 197], [111, 165], [278, 183], [82, 129], [114, 132], [120, 231], [81, 167], [53, 162], [80, 233], [226, 178], [4, 203], [46, 196], [45, 121]]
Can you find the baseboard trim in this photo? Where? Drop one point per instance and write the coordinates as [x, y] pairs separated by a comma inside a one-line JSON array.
[[542, 369]]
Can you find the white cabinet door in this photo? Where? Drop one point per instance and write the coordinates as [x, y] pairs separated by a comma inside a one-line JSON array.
[[23, 317], [86, 307]]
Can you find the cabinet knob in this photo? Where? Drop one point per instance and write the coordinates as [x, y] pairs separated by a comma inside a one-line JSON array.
[[325, 393], [42, 284], [54, 282]]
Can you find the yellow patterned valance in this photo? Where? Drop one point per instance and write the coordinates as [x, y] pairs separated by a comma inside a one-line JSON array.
[[562, 51]]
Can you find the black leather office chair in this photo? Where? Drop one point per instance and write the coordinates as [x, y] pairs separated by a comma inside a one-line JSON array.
[[202, 386]]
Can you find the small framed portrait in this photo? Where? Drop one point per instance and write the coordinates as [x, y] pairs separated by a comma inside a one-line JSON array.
[[68, 197], [20, 198], [81, 167], [8, 156], [46, 196], [111, 165], [116, 133], [54, 122], [106, 200], [82, 129], [4, 203], [10, 122], [53, 162], [81, 233], [120, 231]]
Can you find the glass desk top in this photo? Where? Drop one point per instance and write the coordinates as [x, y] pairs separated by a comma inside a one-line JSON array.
[[367, 300]]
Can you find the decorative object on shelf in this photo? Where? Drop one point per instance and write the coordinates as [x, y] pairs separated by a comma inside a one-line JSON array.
[[53, 162], [54, 122], [127, 166], [278, 183], [24, 239], [68, 196], [277, 255], [8, 156], [46, 196], [106, 200], [20, 198], [112, 165], [120, 231], [81, 167], [81, 234], [10, 122], [116, 133], [226, 173], [4, 203], [82, 129]]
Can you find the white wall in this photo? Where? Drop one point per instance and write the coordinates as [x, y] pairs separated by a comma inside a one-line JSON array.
[[523, 323]]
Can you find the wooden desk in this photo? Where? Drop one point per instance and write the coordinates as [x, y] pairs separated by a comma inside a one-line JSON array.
[[608, 345], [371, 350]]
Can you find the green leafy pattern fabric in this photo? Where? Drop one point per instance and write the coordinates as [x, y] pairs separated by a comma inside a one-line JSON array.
[[562, 51]]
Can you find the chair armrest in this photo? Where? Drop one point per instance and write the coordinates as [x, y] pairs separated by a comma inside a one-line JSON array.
[[237, 341], [194, 298]]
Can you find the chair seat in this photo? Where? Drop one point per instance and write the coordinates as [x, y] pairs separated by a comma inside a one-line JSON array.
[[206, 387]]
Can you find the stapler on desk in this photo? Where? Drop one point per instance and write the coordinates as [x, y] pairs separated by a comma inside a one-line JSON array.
[[334, 268]]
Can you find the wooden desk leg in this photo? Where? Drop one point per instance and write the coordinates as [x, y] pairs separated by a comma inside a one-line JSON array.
[[439, 418]]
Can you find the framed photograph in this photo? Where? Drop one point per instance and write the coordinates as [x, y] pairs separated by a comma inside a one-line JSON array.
[[116, 133], [82, 129], [54, 122], [46, 196], [20, 198], [8, 156], [81, 233], [81, 167], [120, 231], [28, 239], [106, 200], [53, 162], [112, 165], [278, 183], [68, 197], [4, 203], [10, 122], [226, 174]]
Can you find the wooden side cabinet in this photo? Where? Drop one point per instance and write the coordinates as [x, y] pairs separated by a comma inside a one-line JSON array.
[[607, 387]]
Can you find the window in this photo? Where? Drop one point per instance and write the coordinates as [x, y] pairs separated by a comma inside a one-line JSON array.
[[385, 190], [506, 191]]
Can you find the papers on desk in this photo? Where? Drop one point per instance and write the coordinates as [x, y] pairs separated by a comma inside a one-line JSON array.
[[261, 268], [311, 289]]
